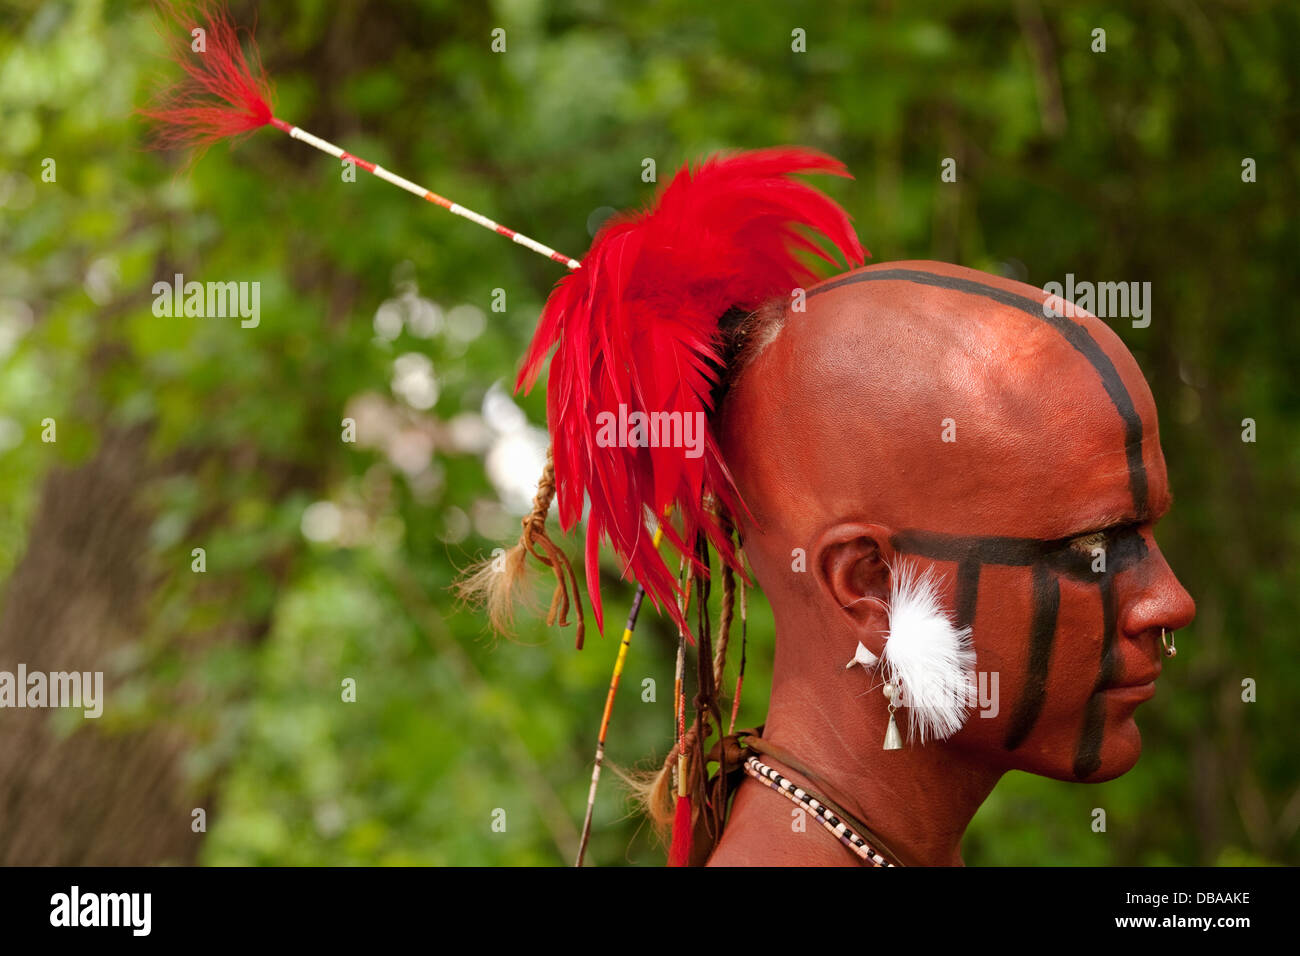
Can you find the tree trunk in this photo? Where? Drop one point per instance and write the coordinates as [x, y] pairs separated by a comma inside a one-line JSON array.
[[79, 592]]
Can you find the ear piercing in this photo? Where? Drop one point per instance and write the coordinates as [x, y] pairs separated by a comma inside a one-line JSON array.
[[893, 741]]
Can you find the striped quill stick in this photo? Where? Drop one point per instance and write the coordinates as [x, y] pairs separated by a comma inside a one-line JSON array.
[[225, 95]]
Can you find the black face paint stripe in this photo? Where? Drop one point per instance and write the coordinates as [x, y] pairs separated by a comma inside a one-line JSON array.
[[1047, 604], [1088, 752], [1126, 549], [968, 589], [1073, 333]]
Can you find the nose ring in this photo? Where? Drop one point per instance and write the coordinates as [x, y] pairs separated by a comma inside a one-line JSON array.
[[1167, 640]]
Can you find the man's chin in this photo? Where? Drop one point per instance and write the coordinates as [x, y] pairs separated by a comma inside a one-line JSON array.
[[1121, 747]]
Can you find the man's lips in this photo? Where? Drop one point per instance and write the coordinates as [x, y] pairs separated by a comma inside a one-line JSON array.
[[1135, 693], [1137, 688]]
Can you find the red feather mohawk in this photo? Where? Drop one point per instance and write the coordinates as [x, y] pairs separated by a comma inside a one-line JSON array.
[[637, 329]]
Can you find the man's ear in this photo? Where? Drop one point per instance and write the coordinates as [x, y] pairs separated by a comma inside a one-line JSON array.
[[852, 565]]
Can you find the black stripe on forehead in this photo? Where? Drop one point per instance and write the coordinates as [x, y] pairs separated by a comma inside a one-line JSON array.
[[1072, 332]]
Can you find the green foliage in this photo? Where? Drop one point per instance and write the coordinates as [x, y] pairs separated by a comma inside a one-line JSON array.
[[1136, 171]]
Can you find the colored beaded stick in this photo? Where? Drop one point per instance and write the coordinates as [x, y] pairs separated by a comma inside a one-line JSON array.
[[619, 661], [744, 640]]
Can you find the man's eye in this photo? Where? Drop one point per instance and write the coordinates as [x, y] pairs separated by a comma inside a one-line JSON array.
[[1086, 544]]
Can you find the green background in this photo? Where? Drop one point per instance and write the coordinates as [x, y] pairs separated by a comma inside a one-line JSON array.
[[182, 433]]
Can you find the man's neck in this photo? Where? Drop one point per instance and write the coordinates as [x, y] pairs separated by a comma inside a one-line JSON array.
[[918, 801]]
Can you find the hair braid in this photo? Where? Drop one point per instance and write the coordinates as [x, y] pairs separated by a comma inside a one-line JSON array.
[[496, 583]]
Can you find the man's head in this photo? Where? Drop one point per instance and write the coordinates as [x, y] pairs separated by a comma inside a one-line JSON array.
[[928, 412]]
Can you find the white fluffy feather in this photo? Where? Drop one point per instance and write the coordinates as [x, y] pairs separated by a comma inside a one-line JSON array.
[[930, 659]]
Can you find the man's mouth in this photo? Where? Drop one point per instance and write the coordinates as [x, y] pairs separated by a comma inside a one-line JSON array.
[[1135, 693], [1137, 688]]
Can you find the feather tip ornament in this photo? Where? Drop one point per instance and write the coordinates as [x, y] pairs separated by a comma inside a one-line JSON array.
[[224, 92]]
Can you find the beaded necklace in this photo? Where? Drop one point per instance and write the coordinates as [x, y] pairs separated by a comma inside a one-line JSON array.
[[821, 813]]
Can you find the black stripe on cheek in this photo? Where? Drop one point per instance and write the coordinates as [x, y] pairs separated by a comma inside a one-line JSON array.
[[1047, 604], [968, 587], [1073, 333], [1087, 758]]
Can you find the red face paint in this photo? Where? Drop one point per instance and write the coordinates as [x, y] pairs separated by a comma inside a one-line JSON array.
[[1003, 445]]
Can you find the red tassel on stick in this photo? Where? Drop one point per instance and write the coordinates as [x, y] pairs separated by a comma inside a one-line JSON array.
[[224, 92], [679, 852]]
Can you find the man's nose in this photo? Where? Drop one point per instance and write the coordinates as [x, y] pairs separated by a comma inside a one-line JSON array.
[[1156, 600]]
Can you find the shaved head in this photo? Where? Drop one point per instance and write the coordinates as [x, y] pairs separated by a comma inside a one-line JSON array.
[[859, 388], [924, 411]]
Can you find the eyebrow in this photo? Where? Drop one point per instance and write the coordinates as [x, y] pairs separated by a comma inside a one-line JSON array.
[[1112, 520], [1109, 521]]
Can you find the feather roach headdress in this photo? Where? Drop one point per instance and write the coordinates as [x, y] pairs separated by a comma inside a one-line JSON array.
[[638, 350], [635, 327], [637, 339]]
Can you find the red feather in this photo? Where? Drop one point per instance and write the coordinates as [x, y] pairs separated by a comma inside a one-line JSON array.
[[638, 325], [224, 93]]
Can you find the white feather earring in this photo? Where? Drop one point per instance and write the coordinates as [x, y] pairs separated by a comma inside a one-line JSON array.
[[928, 664]]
